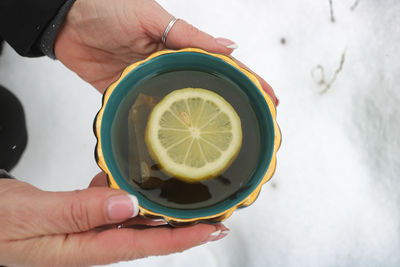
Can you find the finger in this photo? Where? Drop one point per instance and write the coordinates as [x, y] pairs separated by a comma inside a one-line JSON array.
[[267, 88], [78, 211], [128, 244], [100, 180], [184, 35], [156, 20]]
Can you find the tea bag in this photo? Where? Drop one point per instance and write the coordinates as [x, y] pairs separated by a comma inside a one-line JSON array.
[[139, 159]]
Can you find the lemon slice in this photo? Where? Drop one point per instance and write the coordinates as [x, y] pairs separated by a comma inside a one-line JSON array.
[[194, 134]]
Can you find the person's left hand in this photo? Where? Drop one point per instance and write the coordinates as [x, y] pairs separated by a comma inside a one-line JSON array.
[[101, 37]]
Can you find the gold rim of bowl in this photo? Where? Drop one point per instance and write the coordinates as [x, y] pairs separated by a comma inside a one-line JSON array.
[[215, 218]]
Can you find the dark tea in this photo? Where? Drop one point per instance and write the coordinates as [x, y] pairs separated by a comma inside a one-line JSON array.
[[147, 176]]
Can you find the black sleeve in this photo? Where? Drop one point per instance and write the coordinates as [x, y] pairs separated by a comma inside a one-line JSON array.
[[5, 175], [23, 21], [48, 37]]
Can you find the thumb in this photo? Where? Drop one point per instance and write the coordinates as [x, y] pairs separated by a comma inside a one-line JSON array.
[[82, 210], [184, 35]]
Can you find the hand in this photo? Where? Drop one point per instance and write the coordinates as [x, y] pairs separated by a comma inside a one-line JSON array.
[[101, 37], [40, 228]]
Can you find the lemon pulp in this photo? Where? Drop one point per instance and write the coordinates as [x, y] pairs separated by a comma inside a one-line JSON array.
[[194, 134]]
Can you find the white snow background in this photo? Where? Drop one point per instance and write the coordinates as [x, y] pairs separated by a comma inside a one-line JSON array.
[[335, 197]]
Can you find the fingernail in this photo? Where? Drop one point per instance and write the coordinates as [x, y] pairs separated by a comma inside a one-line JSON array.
[[122, 207], [217, 235], [213, 236], [224, 232], [277, 101], [227, 43]]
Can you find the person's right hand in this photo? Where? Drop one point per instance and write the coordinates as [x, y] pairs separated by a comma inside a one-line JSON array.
[[40, 228]]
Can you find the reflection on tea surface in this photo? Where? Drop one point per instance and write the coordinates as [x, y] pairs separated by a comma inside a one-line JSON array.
[[145, 175]]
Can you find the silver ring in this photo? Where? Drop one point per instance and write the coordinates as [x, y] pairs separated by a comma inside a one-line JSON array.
[[169, 27]]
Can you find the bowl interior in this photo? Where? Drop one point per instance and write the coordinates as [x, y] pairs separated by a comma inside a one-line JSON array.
[[189, 61]]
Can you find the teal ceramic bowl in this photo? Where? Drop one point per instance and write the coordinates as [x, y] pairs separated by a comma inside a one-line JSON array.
[[188, 59]]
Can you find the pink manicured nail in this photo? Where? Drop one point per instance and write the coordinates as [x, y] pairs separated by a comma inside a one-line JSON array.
[[214, 236], [122, 207], [219, 234], [224, 232], [227, 43]]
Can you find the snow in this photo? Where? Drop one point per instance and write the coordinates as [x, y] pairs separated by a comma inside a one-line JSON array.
[[335, 198]]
